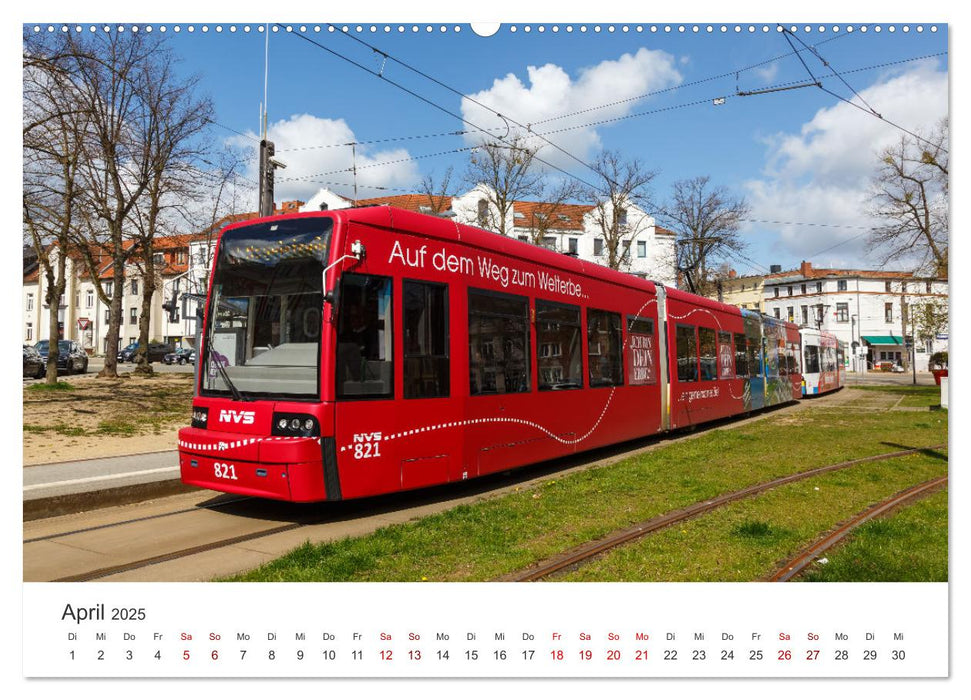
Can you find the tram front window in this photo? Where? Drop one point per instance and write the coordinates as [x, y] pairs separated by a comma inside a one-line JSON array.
[[265, 310]]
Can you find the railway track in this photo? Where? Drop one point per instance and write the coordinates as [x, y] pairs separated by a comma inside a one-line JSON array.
[[576, 557], [807, 556]]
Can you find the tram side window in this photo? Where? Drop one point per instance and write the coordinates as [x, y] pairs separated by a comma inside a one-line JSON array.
[[741, 357], [498, 343], [364, 338], [725, 370], [709, 353], [558, 350], [425, 340], [605, 336], [812, 359], [687, 348], [640, 351]]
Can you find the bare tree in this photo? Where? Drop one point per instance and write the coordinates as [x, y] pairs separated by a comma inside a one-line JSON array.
[[54, 131], [706, 220], [436, 192], [503, 173], [910, 194], [621, 183], [179, 118]]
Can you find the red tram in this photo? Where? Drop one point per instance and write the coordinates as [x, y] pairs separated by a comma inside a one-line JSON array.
[[363, 351]]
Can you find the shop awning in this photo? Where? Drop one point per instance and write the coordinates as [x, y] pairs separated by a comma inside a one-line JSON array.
[[883, 340]]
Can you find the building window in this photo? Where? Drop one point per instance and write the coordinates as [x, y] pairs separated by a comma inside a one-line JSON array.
[[776, 312], [29, 332], [819, 288], [598, 247], [642, 249], [108, 287], [687, 349], [524, 239], [364, 338], [133, 315], [819, 314], [107, 315], [425, 340], [927, 287], [549, 242], [158, 258], [573, 246], [888, 312], [888, 286], [776, 290], [30, 302], [605, 337], [89, 298], [498, 343], [134, 286], [803, 288], [622, 217], [840, 285], [903, 286], [842, 312], [805, 315], [790, 290], [558, 348]]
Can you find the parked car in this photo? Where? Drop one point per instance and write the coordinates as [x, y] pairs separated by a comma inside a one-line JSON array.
[[180, 357], [156, 352], [70, 356], [127, 353], [33, 363]]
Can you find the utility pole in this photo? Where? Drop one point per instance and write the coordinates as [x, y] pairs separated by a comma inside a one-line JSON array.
[[267, 165]]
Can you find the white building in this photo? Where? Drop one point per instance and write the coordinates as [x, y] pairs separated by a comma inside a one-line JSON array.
[[569, 228], [865, 309]]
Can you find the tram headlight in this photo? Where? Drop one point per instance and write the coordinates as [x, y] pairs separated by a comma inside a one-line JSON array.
[[200, 417], [295, 425]]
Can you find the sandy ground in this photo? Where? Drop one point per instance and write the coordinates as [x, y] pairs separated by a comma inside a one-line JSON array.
[[95, 402]]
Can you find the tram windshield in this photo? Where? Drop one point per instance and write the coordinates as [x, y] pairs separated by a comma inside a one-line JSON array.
[[263, 337]]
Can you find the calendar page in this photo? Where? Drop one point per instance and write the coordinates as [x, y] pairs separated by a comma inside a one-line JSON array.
[[563, 349]]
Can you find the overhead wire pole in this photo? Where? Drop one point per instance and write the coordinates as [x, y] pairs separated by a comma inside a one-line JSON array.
[[267, 163]]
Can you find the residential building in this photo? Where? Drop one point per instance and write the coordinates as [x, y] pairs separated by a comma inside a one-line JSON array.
[[871, 312], [744, 292]]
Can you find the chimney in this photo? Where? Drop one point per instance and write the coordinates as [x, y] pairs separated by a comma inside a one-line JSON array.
[[732, 274], [806, 269]]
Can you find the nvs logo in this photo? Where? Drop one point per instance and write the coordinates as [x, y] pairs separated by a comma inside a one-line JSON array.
[[228, 415]]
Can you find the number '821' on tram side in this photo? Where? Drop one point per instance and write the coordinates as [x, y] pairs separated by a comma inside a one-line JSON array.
[[356, 352]]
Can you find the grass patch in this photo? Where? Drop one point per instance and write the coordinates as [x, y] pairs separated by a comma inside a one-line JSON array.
[[59, 428], [45, 388], [748, 540], [919, 396], [119, 426], [909, 545], [509, 532]]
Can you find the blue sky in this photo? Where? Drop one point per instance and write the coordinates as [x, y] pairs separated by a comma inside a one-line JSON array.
[[798, 156]]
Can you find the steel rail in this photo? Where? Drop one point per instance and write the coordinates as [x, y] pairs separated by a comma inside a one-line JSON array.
[[130, 521], [806, 557], [593, 549]]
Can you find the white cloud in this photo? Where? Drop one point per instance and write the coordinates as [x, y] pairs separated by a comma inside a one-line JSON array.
[[314, 150], [551, 92], [822, 174]]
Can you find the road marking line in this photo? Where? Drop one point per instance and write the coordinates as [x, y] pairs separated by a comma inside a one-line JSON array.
[[106, 477]]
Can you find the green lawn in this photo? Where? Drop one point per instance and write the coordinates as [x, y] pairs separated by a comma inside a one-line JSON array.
[[509, 532]]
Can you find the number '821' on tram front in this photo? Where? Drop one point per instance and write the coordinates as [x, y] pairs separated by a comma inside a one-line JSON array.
[[355, 352]]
